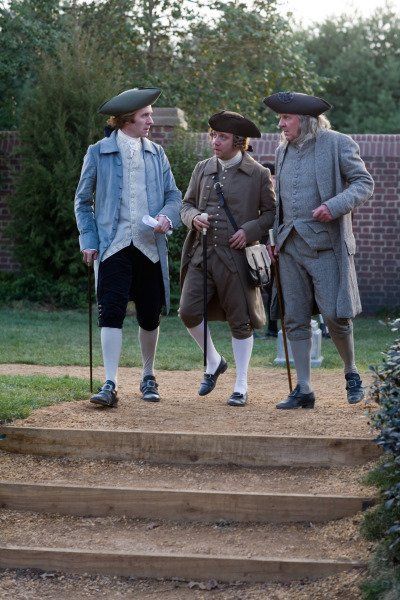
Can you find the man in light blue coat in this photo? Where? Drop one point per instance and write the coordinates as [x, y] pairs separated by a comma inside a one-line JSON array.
[[126, 179], [320, 180]]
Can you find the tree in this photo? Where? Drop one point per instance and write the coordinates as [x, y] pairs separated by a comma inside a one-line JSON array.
[[244, 54], [30, 30], [58, 122], [361, 60]]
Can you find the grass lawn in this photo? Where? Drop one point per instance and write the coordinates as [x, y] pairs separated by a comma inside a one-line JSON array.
[[20, 394], [61, 338]]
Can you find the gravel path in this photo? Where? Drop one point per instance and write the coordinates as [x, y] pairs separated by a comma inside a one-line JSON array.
[[30, 585], [181, 409]]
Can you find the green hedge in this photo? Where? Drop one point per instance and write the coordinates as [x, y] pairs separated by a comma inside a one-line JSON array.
[[382, 524]]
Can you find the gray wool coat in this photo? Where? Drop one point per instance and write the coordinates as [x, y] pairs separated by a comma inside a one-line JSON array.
[[343, 183]]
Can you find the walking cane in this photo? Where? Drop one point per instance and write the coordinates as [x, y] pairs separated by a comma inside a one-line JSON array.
[[281, 311], [205, 312], [89, 292]]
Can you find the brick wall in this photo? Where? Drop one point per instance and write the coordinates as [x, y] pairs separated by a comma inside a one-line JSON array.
[[376, 223]]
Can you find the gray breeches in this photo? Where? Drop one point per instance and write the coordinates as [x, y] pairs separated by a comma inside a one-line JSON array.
[[308, 275]]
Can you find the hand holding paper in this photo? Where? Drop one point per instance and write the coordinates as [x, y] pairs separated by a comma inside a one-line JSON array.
[[152, 222]]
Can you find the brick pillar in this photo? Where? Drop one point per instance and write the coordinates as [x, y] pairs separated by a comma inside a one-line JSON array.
[[165, 121]]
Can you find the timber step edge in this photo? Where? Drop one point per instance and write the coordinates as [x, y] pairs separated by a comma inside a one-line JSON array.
[[193, 505], [189, 447], [187, 567]]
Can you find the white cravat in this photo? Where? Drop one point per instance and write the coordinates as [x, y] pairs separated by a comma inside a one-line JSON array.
[[231, 162]]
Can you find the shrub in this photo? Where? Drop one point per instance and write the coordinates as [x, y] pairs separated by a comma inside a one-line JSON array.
[[183, 154], [59, 121], [383, 522]]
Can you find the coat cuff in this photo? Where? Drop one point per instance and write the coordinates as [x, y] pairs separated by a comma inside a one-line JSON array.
[[88, 240], [188, 215], [335, 207], [252, 231]]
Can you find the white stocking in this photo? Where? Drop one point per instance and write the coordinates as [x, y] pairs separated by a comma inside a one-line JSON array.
[[213, 358], [242, 350], [111, 344]]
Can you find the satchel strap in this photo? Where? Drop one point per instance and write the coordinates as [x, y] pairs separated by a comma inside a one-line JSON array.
[[221, 198]]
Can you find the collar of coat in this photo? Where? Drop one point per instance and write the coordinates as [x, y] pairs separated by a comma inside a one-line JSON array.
[[247, 165], [108, 145], [321, 134]]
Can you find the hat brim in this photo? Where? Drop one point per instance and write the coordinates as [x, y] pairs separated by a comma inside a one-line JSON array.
[[228, 122], [129, 101], [294, 103]]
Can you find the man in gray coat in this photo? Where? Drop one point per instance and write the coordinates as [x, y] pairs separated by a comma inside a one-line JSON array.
[[125, 179], [320, 179]]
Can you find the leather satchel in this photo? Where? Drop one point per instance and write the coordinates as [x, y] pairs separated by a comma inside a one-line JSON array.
[[259, 264], [257, 258]]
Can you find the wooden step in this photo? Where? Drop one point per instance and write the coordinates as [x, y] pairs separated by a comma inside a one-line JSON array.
[[194, 505], [189, 447], [169, 565]]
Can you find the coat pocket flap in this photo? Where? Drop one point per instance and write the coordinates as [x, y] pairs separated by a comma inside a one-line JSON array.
[[317, 226]]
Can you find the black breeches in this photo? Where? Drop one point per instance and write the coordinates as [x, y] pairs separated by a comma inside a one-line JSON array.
[[130, 275]]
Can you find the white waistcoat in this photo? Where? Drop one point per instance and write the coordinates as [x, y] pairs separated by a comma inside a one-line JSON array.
[[134, 202]]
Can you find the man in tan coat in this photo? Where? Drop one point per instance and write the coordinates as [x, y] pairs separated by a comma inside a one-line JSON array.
[[248, 191]]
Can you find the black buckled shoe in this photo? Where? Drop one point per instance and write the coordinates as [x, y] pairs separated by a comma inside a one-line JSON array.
[[210, 379], [106, 396], [237, 399], [297, 400], [149, 389], [355, 391]]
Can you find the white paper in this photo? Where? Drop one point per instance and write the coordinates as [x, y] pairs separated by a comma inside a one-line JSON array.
[[152, 222]]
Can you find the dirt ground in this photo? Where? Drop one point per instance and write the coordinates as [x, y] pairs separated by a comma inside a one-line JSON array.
[[31, 585], [181, 409], [341, 480]]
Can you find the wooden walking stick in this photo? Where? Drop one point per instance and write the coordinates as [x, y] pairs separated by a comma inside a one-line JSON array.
[[205, 311], [89, 291], [281, 309]]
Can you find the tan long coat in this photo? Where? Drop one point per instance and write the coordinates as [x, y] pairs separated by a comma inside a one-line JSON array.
[[252, 203]]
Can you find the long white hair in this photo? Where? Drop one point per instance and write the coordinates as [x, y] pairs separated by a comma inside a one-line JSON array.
[[309, 126]]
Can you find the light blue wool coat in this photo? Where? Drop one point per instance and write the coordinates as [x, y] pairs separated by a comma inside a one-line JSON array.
[[99, 194]]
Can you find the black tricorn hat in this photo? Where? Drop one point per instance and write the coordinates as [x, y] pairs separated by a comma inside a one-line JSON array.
[[228, 121], [270, 166], [294, 103], [129, 101]]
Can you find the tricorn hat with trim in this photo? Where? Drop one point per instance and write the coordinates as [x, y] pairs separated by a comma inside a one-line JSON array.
[[129, 101], [294, 103], [228, 121]]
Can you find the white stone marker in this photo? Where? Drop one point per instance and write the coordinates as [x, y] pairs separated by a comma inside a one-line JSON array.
[[316, 356]]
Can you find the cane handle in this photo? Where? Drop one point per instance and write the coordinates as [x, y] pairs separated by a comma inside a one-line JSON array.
[[271, 237], [204, 216]]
